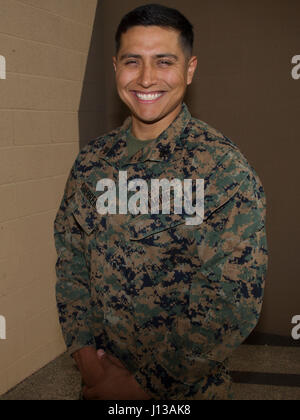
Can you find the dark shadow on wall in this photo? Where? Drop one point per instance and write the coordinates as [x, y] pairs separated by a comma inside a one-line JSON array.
[[98, 85], [90, 108]]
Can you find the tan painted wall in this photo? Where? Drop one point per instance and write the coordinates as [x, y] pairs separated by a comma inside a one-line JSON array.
[[45, 46]]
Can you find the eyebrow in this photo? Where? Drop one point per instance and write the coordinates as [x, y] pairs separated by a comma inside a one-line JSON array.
[[166, 55]]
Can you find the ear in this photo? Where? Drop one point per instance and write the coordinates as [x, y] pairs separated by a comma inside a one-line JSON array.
[[115, 63], [192, 65]]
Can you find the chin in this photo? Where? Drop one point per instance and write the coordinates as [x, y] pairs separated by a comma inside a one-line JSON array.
[[148, 115], [148, 119]]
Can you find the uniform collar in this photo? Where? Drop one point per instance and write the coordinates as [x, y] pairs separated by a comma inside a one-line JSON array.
[[162, 149]]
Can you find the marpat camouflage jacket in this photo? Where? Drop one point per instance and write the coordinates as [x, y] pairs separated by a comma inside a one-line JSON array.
[[171, 301]]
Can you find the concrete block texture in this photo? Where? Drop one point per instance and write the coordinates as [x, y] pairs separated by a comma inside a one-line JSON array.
[[45, 46]]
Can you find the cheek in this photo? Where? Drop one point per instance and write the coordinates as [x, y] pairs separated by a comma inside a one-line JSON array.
[[175, 80], [123, 79]]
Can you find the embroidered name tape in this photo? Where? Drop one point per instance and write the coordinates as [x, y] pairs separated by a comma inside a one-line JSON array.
[[89, 195]]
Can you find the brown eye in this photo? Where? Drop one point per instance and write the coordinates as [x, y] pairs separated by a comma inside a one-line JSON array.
[[165, 62]]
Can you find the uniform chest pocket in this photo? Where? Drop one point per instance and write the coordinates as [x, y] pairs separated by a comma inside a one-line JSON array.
[[164, 239], [164, 246]]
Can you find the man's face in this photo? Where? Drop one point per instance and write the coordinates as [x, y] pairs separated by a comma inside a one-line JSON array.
[[152, 73]]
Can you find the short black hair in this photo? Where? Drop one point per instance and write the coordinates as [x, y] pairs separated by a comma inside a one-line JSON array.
[[158, 15]]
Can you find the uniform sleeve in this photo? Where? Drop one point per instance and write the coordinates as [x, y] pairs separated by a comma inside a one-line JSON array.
[[228, 275], [73, 280], [227, 295]]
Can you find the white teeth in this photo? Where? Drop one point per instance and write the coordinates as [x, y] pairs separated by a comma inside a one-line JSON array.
[[148, 96]]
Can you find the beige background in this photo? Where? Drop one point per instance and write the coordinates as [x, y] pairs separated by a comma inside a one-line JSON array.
[[59, 93]]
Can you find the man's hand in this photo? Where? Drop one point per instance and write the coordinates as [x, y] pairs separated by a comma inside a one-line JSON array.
[[116, 382], [89, 365]]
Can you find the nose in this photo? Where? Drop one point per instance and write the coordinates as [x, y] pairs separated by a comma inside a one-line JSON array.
[[147, 76]]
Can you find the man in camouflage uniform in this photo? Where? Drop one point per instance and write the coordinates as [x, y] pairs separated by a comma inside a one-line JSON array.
[[164, 302]]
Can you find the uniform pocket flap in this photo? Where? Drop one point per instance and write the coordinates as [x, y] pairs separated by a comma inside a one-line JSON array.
[[145, 225]]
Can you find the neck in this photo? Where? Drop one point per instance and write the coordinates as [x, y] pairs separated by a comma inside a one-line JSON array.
[[144, 131]]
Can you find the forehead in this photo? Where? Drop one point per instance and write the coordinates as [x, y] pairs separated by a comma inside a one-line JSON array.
[[150, 40]]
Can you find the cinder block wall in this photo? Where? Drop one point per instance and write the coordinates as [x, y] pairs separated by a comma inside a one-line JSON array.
[[45, 46]]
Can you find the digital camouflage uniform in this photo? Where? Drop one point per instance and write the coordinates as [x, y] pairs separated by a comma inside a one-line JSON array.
[[170, 300]]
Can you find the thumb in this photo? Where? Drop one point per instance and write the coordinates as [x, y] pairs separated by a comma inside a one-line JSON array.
[[115, 361]]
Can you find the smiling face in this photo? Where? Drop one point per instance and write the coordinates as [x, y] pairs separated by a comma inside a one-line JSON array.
[[152, 74]]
